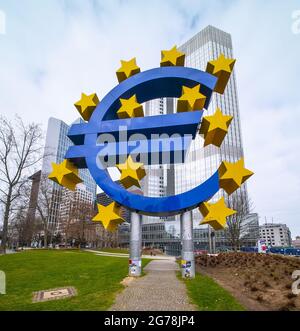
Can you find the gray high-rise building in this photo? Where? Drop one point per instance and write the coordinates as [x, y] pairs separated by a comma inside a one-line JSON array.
[[56, 146], [201, 162]]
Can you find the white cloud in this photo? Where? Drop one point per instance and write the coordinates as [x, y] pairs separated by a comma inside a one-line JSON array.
[[52, 51]]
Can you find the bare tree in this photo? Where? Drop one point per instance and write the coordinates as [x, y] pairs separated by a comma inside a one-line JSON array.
[[81, 213], [18, 230], [21, 220], [44, 206], [20, 150], [235, 224]]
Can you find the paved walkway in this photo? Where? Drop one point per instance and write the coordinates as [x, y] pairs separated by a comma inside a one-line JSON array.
[[159, 289]]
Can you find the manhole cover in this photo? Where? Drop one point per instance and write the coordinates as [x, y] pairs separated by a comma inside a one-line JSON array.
[[54, 294]]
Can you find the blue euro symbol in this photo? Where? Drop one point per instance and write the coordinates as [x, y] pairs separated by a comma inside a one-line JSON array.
[[148, 85]]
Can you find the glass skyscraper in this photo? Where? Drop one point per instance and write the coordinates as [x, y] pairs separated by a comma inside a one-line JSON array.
[[201, 162], [56, 146]]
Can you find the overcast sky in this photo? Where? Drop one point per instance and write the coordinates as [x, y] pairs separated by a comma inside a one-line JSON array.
[[52, 50]]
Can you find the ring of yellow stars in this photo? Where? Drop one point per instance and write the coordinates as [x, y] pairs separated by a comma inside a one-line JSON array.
[[172, 57], [65, 174], [131, 172], [191, 99], [215, 127], [86, 105], [233, 175], [215, 214], [221, 68], [128, 69], [109, 216], [130, 108]]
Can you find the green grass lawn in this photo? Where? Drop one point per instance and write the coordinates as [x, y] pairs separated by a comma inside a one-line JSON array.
[[208, 295], [96, 278]]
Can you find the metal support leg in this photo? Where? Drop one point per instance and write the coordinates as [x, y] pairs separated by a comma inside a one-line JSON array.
[[214, 242], [187, 251], [135, 260], [209, 240]]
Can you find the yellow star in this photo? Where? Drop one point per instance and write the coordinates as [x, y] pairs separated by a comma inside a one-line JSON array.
[[110, 216], [65, 174], [191, 99], [131, 172], [130, 108], [86, 105], [215, 127], [173, 57], [215, 214], [128, 69], [233, 175], [221, 68]]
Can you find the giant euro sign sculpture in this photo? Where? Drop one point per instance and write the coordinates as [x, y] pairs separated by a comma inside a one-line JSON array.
[[116, 133]]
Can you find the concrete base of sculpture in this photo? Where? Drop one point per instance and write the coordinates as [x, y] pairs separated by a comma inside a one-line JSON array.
[[187, 252]]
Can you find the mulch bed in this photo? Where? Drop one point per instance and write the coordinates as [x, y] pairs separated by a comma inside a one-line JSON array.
[[258, 281]]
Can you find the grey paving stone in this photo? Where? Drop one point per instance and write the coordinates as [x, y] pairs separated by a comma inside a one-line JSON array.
[[159, 289]]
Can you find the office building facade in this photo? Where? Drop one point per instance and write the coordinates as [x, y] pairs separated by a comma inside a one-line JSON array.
[[296, 242], [75, 216], [56, 146], [35, 180], [71, 201], [250, 230], [201, 162], [275, 235]]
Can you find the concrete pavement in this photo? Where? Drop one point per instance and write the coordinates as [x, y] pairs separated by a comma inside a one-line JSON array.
[[159, 289]]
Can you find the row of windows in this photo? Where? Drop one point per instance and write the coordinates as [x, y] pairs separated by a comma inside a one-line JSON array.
[[202, 162]]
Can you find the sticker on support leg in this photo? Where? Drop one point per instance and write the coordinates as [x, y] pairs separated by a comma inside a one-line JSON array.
[[134, 266]]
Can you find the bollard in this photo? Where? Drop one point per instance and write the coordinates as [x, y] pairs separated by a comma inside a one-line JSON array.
[[2, 282], [187, 250]]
